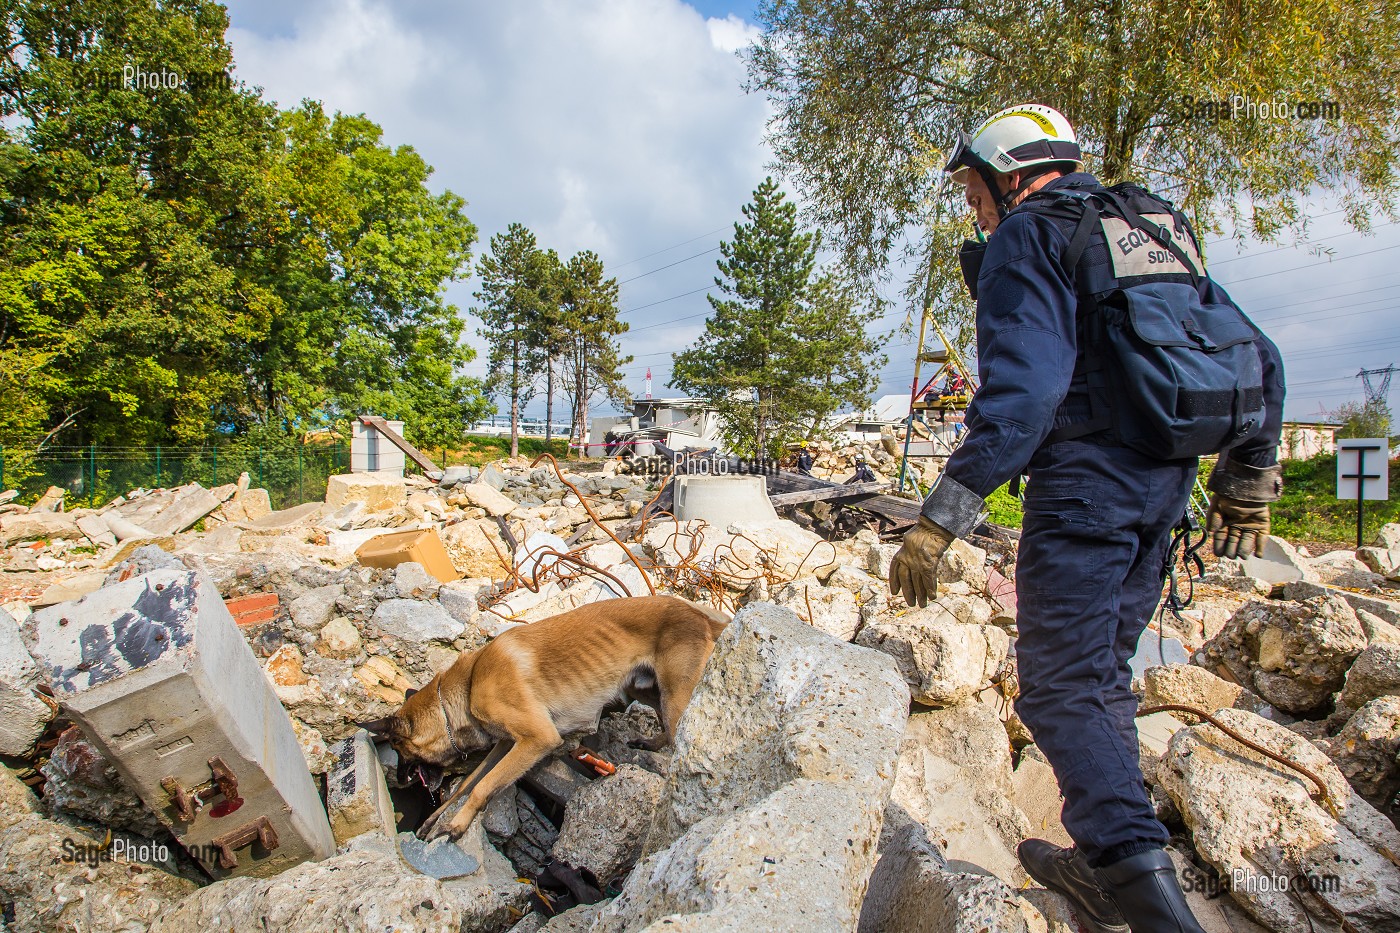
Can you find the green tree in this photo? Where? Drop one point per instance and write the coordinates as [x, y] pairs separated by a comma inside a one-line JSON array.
[[362, 270], [518, 283], [1369, 419], [179, 262], [126, 211], [781, 351], [591, 359], [867, 94], [549, 333]]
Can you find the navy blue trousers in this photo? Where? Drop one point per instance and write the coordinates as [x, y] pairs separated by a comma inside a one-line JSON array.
[[1088, 578]]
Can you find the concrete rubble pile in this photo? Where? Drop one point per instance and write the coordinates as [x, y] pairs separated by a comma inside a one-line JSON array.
[[847, 762], [837, 462]]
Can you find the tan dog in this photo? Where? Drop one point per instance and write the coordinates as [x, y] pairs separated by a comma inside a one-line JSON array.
[[531, 685]]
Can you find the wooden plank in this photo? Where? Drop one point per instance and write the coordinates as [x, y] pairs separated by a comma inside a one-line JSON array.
[[413, 453], [830, 492]]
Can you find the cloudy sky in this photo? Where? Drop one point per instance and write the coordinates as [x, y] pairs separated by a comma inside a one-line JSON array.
[[622, 126]]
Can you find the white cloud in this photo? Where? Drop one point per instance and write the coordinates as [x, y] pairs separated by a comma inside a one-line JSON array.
[[732, 33], [619, 126]]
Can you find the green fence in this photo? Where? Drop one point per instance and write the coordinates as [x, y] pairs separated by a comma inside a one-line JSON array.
[[91, 476]]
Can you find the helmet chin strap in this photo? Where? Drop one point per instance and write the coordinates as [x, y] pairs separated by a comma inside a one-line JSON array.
[[1005, 202]]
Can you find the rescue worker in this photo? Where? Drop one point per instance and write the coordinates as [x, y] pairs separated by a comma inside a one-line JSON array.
[[804, 460], [863, 472], [1098, 514]]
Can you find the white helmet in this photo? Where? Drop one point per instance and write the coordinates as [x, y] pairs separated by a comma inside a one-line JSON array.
[[1011, 140]]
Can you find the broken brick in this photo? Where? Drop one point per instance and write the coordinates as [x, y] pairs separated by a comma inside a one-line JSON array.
[[254, 609]]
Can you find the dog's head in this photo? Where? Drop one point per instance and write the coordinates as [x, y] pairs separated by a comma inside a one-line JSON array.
[[417, 732]]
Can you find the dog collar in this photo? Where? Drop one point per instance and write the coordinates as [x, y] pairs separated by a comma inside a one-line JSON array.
[[447, 723]]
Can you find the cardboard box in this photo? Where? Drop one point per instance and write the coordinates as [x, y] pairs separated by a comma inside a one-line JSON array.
[[422, 545]]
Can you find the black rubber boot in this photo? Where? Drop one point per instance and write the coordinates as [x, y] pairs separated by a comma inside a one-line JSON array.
[[1065, 871], [1146, 890]]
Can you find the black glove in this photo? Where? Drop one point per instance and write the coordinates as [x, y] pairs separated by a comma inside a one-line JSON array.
[[914, 570]]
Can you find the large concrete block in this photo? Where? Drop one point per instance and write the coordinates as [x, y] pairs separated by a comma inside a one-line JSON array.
[[376, 490], [157, 675]]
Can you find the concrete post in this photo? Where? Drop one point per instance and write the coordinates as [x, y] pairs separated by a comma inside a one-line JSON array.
[[158, 677]]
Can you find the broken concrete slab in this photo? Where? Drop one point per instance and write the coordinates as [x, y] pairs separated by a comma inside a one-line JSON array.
[[1374, 673], [74, 587], [1280, 563], [367, 887], [954, 777], [339, 639], [1367, 750], [1293, 654], [94, 526], [1258, 824], [376, 490], [485, 496], [606, 822], [555, 780], [913, 890], [50, 501], [1156, 650], [191, 503], [1189, 685], [357, 799], [783, 765], [38, 526], [944, 660], [1036, 792], [160, 679], [314, 608], [287, 518]]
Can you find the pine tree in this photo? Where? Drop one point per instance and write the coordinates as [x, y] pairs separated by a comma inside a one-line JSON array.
[[516, 287], [781, 351], [591, 358]]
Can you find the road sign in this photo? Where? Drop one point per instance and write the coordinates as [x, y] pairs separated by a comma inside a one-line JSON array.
[[1363, 472], [1363, 462]]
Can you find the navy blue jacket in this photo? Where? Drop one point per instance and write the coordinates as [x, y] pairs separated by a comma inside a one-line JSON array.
[[1026, 350]]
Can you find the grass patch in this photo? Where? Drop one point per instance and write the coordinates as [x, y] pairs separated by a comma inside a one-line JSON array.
[[1309, 510], [1003, 508], [480, 450]]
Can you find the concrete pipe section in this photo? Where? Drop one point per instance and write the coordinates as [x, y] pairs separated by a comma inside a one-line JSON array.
[[720, 500]]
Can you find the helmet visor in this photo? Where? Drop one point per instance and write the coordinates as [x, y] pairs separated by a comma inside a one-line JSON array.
[[962, 157]]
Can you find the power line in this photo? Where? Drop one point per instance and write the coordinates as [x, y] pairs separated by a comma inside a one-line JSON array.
[[1222, 239], [1277, 249], [1308, 316], [1311, 265], [669, 248], [713, 249], [662, 301]]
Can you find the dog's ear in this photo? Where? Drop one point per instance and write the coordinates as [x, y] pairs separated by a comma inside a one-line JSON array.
[[377, 728], [409, 692]]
